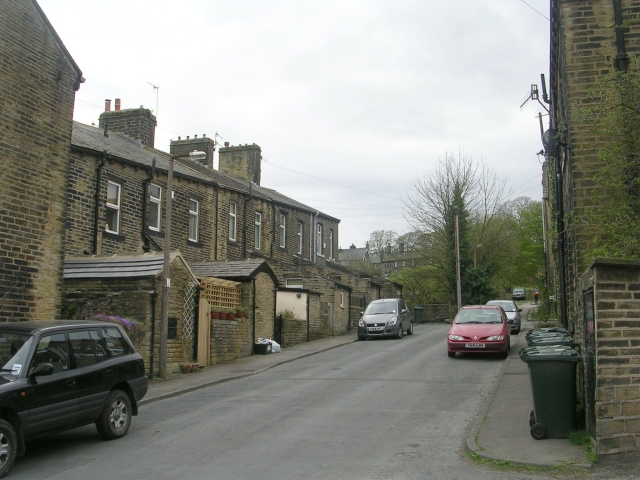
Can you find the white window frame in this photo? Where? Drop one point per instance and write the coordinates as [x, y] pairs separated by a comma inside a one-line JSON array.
[[300, 237], [319, 239], [283, 230], [111, 207], [155, 201], [341, 299], [330, 243], [194, 216], [258, 230], [293, 282], [233, 221]]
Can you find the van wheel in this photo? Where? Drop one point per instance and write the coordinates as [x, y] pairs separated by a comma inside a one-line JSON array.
[[8, 447], [115, 419]]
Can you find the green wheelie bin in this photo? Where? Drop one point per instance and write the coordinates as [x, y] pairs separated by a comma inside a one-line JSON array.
[[417, 314], [552, 374]]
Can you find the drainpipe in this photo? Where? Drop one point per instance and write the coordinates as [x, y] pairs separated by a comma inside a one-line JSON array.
[[153, 296], [253, 309], [621, 60], [96, 208]]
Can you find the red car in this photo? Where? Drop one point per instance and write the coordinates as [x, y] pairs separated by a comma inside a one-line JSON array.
[[479, 329]]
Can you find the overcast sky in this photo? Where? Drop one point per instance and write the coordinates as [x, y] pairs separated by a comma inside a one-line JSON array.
[[350, 100]]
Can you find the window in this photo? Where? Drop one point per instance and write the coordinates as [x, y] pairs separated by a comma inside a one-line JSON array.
[[341, 299], [319, 240], [233, 209], [82, 348], [52, 349], [283, 230], [155, 199], [193, 219], [300, 237], [258, 230], [172, 328], [116, 344], [113, 207], [293, 283], [330, 243]]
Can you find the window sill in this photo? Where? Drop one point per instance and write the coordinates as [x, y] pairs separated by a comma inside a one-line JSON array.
[[155, 233], [113, 236], [191, 243]]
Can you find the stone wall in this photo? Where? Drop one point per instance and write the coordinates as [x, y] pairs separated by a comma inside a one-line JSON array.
[[616, 291], [81, 202], [136, 123], [38, 80]]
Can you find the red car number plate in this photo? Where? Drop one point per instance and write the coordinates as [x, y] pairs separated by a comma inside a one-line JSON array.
[[474, 345]]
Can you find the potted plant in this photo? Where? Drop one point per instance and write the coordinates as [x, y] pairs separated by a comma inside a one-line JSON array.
[[186, 367], [223, 313], [231, 314], [239, 311], [215, 314]]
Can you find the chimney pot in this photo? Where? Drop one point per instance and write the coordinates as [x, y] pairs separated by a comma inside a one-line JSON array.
[[107, 105], [179, 138], [226, 144], [187, 137], [204, 135], [195, 136], [117, 104]]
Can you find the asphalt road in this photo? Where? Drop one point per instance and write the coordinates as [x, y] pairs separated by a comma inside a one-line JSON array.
[[380, 409]]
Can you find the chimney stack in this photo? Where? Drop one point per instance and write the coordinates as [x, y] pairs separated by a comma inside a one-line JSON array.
[[204, 148], [117, 104], [242, 161], [107, 105], [136, 123]]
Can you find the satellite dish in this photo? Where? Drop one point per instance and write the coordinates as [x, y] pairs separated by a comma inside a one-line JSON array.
[[549, 141]]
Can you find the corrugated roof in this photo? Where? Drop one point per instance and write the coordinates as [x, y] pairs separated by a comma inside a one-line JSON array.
[[115, 266]]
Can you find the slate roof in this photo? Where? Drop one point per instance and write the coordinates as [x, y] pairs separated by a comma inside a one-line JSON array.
[[128, 150], [238, 270], [352, 254], [116, 266]]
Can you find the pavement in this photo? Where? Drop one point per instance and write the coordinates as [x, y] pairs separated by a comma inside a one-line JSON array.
[[501, 428]]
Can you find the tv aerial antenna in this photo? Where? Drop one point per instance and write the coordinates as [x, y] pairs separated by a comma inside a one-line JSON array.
[[157, 89]]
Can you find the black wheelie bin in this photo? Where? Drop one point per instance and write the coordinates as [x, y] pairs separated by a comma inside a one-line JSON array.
[[552, 373]]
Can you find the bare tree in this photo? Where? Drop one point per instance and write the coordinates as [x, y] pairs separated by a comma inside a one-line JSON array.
[[478, 193], [380, 239]]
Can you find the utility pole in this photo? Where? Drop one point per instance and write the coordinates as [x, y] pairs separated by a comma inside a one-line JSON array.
[[455, 212], [166, 280]]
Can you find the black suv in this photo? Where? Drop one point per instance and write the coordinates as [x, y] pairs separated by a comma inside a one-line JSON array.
[[58, 375]]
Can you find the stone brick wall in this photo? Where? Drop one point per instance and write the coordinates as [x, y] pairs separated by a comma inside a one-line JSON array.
[[137, 123], [139, 299], [585, 47], [616, 288], [38, 81], [230, 339], [294, 332], [242, 161], [81, 202], [265, 305]]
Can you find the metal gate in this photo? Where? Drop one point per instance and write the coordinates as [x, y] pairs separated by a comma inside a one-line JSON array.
[[277, 330]]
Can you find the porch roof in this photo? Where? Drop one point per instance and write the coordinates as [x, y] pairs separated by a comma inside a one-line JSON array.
[[238, 270]]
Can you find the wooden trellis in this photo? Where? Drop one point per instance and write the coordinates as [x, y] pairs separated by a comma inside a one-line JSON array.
[[222, 293]]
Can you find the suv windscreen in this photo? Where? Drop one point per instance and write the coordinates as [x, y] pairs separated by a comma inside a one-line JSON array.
[[14, 350]]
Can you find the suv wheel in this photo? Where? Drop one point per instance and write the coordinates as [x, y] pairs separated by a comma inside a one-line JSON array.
[[410, 330], [115, 419], [8, 447]]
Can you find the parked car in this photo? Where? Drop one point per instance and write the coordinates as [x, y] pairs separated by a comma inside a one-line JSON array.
[[519, 293], [58, 375], [387, 317], [479, 329], [512, 311]]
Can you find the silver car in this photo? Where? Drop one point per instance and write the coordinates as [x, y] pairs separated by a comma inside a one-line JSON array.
[[512, 311], [387, 317]]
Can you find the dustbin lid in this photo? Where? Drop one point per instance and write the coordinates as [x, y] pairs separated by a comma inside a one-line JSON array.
[[552, 340], [562, 353], [547, 331], [418, 308]]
